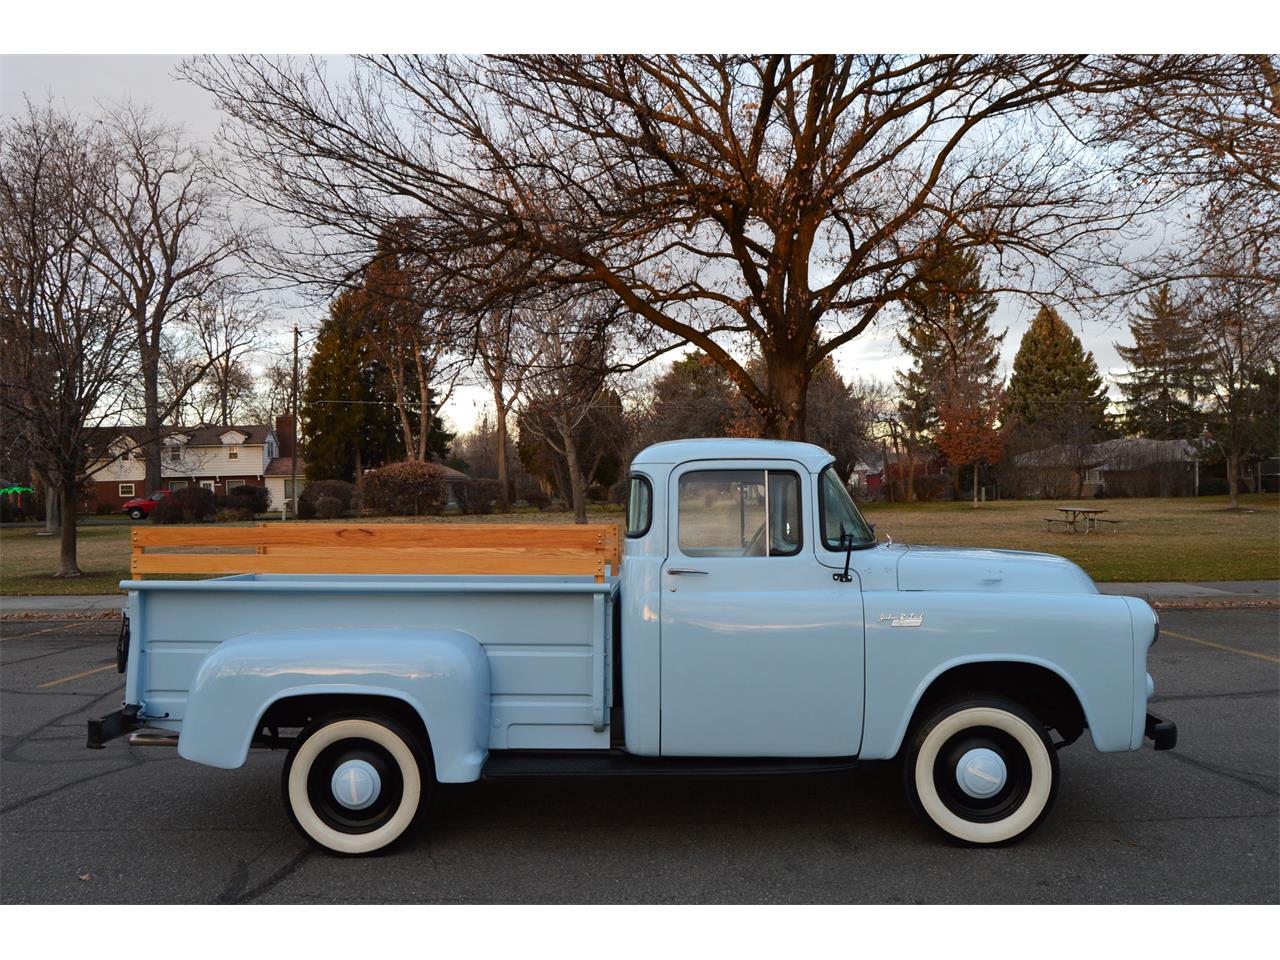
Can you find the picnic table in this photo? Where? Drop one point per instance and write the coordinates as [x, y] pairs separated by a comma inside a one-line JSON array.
[[1073, 515]]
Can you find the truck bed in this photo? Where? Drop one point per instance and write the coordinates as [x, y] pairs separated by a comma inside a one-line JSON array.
[[548, 640]]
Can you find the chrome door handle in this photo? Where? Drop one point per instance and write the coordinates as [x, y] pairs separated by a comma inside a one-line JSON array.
[[675, 571]]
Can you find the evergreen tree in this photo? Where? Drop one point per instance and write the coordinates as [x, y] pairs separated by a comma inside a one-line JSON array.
[[1167, 369], [348, 422], [1056, 391], [954, 354], [948, 325]]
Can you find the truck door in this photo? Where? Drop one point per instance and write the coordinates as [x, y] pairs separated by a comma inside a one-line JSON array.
[[762, 653]]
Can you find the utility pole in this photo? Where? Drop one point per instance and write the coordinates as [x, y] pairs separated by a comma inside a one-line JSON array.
[[293, 448]]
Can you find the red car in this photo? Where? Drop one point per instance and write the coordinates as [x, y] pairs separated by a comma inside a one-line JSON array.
[[139, 507]]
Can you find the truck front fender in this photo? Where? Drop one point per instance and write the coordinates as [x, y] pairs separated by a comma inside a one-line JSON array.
[[442, 674]]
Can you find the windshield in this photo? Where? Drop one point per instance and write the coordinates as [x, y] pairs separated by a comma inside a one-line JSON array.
[[840, 518]]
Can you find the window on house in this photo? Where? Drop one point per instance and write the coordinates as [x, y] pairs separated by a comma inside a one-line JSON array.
[[126, 490], [175, 485], [175, 453], [739, 513], [208, 484], [233, 453]]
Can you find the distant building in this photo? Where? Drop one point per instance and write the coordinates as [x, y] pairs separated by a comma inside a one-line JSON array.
[[1126, 467], [218, 458]]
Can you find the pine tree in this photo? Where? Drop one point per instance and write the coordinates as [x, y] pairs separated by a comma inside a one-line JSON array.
[[348, 423], [1056, 392], [954, 354], [1167, 368]]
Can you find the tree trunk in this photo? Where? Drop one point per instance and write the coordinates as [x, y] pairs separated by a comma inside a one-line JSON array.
[[504, 495], [1233, 478], [576, 484], [52, 510], [67, 566], [788, 392], [151, 403], [975, 485]]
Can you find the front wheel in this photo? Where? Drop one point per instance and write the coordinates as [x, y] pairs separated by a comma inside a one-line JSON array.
[[982, 770], [354, 784], [136, 513]]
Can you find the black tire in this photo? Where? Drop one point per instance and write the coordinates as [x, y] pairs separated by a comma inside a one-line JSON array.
[[981, 769], [390, 777], [136, 513]]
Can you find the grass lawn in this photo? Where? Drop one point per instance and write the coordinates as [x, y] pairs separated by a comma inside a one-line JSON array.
[[1178, 538], [1160, 539]]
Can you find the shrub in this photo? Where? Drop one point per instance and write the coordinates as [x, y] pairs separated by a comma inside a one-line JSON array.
[[931, 487], [1214, 486], [232, 514], [314, 492], [329, 508], [404, 489], [250, 498], [596, 493], [188, 505], [537, 498], [476, 496]]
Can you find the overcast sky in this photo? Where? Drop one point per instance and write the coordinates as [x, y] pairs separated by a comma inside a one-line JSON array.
[[81, 82]]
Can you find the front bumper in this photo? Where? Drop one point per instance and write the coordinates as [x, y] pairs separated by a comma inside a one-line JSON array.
[[112, 725], [1163, 733]]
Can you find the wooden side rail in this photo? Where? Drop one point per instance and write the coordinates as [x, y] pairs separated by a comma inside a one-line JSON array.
[[480, 549]]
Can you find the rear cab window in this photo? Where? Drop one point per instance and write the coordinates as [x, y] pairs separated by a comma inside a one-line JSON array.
[[639, 506], [739, 513]]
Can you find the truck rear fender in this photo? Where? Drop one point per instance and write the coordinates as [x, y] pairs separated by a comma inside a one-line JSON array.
[[443, 675]]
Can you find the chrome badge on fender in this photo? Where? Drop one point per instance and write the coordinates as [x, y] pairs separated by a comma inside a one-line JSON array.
[[903, 619]]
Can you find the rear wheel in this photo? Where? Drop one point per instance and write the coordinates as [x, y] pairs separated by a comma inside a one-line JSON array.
[[982, 770], [354, 784]]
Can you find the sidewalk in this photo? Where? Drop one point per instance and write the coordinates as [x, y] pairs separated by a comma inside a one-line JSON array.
[[1211, 592], [72, 604]]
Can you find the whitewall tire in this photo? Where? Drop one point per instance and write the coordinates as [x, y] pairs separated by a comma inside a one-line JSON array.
[[982, 770], [354, 784]]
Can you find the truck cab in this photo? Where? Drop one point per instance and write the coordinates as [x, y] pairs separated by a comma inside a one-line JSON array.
[[755, 624]]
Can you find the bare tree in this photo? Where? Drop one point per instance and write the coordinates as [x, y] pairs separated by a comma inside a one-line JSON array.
[[506, 353], [227, 325], [782, 200], [565, 382], [162, 234], [1208, 129], [63, 327], [1240, 322]]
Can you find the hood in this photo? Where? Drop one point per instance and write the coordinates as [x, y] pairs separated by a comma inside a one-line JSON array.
[[989, 571]]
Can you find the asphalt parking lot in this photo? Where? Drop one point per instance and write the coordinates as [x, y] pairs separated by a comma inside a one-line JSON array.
[[139, 825]]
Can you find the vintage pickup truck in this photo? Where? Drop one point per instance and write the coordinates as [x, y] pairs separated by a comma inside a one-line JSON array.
[[756, 625]]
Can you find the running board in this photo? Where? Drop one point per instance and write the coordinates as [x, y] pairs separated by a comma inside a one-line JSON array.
[[504, 764]]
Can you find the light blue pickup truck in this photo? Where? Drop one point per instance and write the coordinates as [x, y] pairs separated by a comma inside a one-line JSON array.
[[755, 626]]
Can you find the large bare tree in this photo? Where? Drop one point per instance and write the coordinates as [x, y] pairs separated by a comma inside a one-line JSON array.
[[779, 202], [64, 330], [163, 234]]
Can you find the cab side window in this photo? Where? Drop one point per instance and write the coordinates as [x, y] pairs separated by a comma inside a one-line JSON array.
[[739, 513]]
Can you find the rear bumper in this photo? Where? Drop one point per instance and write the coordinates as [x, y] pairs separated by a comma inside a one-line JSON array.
[[112, 725], [1163, 733]]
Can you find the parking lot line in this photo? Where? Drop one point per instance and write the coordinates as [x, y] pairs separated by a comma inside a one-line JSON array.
[[77, 676], [1221, 646]]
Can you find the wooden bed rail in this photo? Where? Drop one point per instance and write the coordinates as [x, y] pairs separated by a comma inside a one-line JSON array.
[[480, 549]]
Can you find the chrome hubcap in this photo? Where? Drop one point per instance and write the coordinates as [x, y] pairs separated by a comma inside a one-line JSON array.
[[981, 773], [355, 784]]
